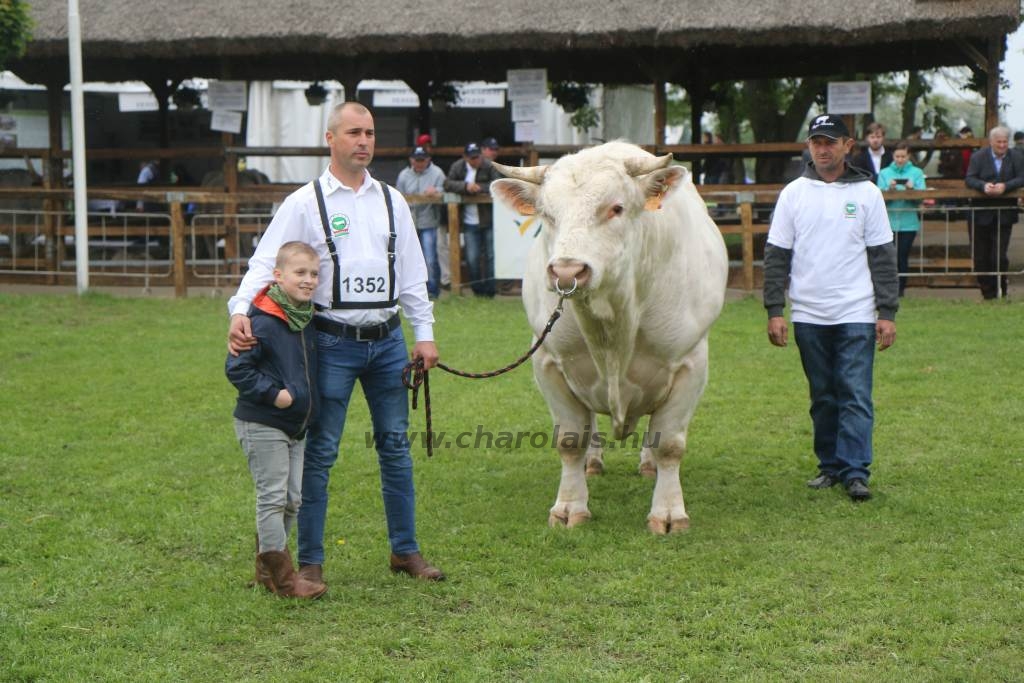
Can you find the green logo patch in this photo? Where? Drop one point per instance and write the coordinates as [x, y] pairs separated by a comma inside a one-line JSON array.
[[851, 210], [339, 225]]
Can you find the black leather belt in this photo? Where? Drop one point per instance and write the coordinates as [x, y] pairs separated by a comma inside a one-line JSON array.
[[367, 333]]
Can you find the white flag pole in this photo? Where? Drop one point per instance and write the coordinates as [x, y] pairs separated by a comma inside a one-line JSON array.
[[78, 147]]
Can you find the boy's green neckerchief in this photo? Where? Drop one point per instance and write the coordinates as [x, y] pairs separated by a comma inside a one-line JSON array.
[[298, 316]]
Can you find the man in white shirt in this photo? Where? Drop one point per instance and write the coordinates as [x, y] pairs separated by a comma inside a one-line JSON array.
[[830, 237], [370, 262]]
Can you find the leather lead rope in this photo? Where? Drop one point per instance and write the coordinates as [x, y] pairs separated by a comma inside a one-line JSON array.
[[413, 374]]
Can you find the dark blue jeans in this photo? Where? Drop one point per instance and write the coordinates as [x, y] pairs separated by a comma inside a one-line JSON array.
[[377, 365], [480, 258], [838, 361]]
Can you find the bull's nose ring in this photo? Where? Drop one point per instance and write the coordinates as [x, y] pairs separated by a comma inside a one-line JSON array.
[[564, 292]]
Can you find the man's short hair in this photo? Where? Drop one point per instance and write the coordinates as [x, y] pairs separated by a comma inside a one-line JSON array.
[[902, 144], [293, 248], [874, 127], [335, 118]]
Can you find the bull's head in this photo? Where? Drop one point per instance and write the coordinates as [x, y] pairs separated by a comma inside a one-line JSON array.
[[592, 206]]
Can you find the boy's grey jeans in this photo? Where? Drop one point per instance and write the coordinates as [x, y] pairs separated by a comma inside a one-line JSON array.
[[275, 461]]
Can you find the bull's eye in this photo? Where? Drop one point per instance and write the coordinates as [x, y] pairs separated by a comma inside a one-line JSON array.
[[615, 210]]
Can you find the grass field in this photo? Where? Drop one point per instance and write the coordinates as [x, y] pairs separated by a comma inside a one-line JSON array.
[[126, 518]]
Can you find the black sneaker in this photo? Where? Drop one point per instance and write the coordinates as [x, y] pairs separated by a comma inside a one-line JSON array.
[[858, 489], [823, 481]]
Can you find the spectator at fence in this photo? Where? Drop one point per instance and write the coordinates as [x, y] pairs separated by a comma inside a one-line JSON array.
[[421, 176], [471, 176], [1018, 141], [874, 157], [994, 171], [490, 149], [966, 133], [830, 238], [899, 176]]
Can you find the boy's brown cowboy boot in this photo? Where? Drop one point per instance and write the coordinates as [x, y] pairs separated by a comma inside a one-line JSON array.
[[284, 581]]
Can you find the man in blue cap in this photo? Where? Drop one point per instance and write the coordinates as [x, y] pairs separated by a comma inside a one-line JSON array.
[[471, 176], [830, 237]]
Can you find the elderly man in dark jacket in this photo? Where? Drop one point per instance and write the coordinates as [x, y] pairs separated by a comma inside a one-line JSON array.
[[471, 176], [994, 171]]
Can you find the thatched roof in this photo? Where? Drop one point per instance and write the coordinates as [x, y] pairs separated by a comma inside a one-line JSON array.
[[588, 40]]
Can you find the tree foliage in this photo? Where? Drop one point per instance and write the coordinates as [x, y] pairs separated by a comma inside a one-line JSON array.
[[15, 30]]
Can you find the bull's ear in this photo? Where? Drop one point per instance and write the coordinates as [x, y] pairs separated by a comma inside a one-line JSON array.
[[518, 195], [661, 183]]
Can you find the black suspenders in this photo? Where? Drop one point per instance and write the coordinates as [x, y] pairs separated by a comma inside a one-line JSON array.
[[336, 301]]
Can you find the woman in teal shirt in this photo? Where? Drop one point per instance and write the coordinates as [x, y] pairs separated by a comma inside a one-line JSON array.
[[899, 176]]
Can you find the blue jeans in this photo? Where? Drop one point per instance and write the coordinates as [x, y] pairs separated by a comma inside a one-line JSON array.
[[481, 275], [378, 367], [838, 361], [428, 243]]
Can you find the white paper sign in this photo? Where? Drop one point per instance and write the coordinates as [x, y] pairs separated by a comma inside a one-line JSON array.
[[526, 131], [226, 121], [481, 98], [849, 97], [526, 110], [228, 95], [137, 101], [527, 84], [514, 234], [396, 98]]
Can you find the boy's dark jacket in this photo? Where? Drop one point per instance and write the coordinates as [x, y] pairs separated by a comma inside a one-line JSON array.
[[281, 359]]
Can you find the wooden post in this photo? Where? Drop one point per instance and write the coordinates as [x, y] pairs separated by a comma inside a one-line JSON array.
[[53, 179], [994, 56], [747, 221], [660, 112], [231, 237], [178, 249], [454, 248]]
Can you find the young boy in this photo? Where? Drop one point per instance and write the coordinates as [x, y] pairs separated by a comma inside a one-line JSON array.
[[276, 382]]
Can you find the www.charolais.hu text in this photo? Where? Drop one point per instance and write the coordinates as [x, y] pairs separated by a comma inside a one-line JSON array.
[[483, 438]]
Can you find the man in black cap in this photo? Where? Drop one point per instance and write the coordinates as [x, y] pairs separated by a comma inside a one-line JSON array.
[[489, 148], [471, 176], [830, 237]]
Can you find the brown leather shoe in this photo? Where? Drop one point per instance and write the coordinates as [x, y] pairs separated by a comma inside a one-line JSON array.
[[415, 566], [314, 573]]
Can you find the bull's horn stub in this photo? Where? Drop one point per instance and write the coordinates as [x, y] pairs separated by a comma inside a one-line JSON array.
[[531, 174], [645, 165]]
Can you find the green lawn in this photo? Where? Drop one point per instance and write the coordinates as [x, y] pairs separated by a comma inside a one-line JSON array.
[[126, 518]]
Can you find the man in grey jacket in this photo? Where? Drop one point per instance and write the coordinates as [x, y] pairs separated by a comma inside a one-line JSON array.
[[830, 237], [422, 177]]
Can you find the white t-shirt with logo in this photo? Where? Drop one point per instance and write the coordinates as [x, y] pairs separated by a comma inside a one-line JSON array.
[[828, 227]]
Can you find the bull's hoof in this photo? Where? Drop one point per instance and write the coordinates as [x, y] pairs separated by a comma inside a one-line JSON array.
[[595, 468], [661, 527], [557, 519], [649, 470]]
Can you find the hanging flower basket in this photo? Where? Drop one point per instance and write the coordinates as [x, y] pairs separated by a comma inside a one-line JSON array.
[[316, 94], [570, 95], [186, 99]]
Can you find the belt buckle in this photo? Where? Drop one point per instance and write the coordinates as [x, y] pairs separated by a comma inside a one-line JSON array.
[[359, 335]]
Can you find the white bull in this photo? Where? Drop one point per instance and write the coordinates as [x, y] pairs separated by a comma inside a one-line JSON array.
[[650, 270]]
